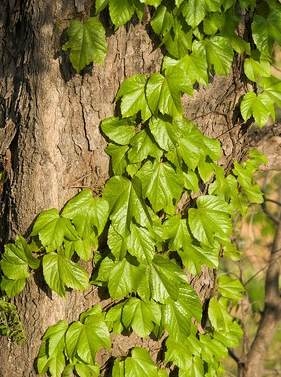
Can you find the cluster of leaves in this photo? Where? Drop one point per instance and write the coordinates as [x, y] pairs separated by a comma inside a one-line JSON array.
[[167, 209], [201, 36], [152, 239], [10, 323]]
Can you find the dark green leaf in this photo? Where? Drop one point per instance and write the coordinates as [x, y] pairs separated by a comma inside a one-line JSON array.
[[86, 42]]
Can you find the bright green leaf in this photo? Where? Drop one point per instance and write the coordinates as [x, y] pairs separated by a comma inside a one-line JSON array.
[[210, 219], [60, 271]]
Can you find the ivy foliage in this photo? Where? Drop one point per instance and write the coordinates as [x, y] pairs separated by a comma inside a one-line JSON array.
[[168, 208], [200, 39]]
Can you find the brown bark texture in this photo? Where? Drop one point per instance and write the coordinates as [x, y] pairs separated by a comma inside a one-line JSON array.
[[51, 146]]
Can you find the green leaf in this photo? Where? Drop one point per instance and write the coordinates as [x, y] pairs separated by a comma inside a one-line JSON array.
[[194, 369], [60, 271], [161, 185], [163, 94], [195, 64], [165, 279], [254, 70], [194, 12], [154, 3], [113, 318], [260, 106], [210, 219], [195, 147], [138, 315], [116, 243], [177, 315], [15, 262], [84, 340], [141, 244], [219, 54], [261, 37], [178, 41], [190, 181], [244, 173], [214, 22], [231, 337], [194, 256], [142, 146], [272, 87], [162, 21], [51, 351], [118, 369], [121, 11], [104, 270], [100, 5], [230, 288], [118, 130], [126, 204], [165, 133], [12, 287], [179, 353], [140, 364], [118, 157], [87, 212], [89, 215], [124, 279], [86, 42], [212, 348], [273, 21], [175, 230], [53, 229], [84, 370], [220, 319], [55, 335], [133, 99]]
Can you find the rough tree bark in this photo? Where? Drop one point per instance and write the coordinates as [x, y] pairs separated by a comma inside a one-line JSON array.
[[49, 119]]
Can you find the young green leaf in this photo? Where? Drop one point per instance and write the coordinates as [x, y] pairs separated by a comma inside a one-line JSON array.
[[124, 279], [254, 69], [53, 229], [165, 279], [12, 287], [194, 12], [162, 21], [60, 271], [141, 244], [230, 288], [165, 133], [210, 219], [126, 204], [86, 42], [260, 106], [118, 130], [163, 94], [138, 315], [133, 98], [142, 146], [85, 370], [118, 157], [16, 261], [121, 11], [51, 356], [161, 185], [140, 364], [84, 340], [219, 54]]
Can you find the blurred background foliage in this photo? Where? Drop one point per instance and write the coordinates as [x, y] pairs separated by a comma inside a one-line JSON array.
[[254, 237]]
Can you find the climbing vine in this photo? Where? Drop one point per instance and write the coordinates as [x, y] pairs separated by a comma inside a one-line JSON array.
[[167, 210]]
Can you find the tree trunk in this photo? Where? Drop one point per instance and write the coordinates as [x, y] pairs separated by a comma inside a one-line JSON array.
[[54, 146]]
